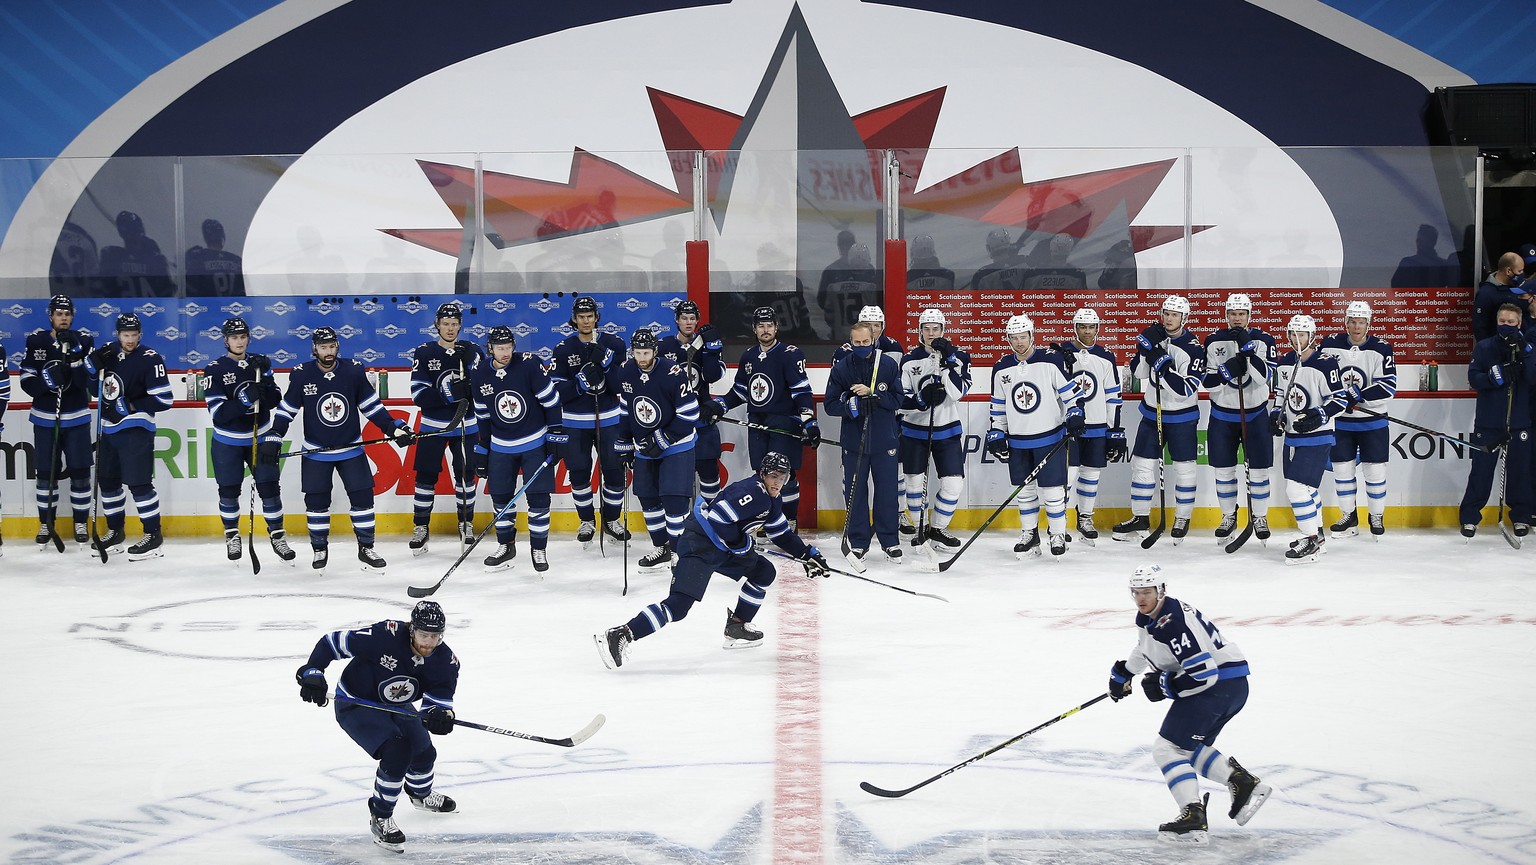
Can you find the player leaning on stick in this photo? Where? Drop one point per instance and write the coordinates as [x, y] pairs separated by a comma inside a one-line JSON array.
[[436, 369], [395, 663], [1187, 661], [1238, 359], [53, 374], [242, 401]]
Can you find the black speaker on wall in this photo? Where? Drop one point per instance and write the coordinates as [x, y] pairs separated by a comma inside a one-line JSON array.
[[1497, 119]]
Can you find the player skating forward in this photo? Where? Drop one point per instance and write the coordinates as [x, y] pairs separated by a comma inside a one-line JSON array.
[[1172, 360], [395, 663], [698, 349], [520, 427], [1238, 359], [130, 377], [935, 377], [581, 366], [1187, 661], [1097, 373], [1308, 383], [242, 401], [333, 394], [657, 438], [436, 369], [718, 540], [53, 374], [1367, 366], [1034, 404]]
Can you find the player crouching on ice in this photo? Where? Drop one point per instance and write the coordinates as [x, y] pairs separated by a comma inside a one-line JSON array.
[[718, 540], [1206, 678], [394, 663]]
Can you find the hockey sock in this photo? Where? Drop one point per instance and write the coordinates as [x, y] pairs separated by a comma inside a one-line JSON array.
[[1375, 487], [948, 499], [655, 521], [147, 503], [709, 479], [915, 490], [464, 494], [791, 497], [113, 506], [613, 502], [538, 519], [1344, 487], [1211, 764], [362, 515], [676, 508], [418, 782], [80, 498], [749, 599], [581, 497], [229, 513], [1029, 508], [272, 510], [1143, 485], [1178, 771], [1226, 488], [421, 502], [1304, 506], [1258, 489], [657, 616], [505, 522], [1055, 509], [46, 499], [1087, 490], [1184, 489]]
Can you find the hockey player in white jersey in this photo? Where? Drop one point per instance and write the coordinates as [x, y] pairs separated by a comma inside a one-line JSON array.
[[1366, 367], [935, 377], [1034, 404], [1205, 676], [1238, 359], [1097, 373], [1172, 360], [1310, 392]]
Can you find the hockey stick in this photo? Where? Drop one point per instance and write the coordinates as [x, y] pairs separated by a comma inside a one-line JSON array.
[[1242, 413], [570, 741], [419, 592], [53, 472], [897, 794], [1423, 429], [255, 439], [597, 485], [800, 437], [862, 577], [858, 466], [624, 521], [458, 418], [101, 550], [1504, 529], [1162, 476], [1028, 479]]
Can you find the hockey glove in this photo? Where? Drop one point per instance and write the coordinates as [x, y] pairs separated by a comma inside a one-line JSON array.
[[438, 721], [1238, 335], [70, 343], [1115, 450], [480, 462], [853, 407], [1510, 370], [943, 348], [1121, 681], [997, 445], [556, 435], [55, 376], [1232, 371], [104, 357], [1152, 335], [1252, 348], [453, 387], [1311, 420], [1152, 684], [591, 379], [122, 407], [626, 451], [1158, 360], [268, 453], [1277, 422], [711, 409], [653, 445], [1075, 422], [248, 393], [402, 435], [312, 685], [932, 394], [1352, 397], [812, 432], [259, 362], [711, 338], [816, 564]]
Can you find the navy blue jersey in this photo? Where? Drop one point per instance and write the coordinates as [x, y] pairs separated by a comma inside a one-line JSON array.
[[231, 382], [1496, 407], [431, 365], [738, 512], [883, 344], [704, 362], [134, 381], [383, 667], [214, 273], [517, 403], [772, 381], [1179, 640], [5, 380], [606, 351], [659, 398], [879, 411], [333, 404], [74, 405]]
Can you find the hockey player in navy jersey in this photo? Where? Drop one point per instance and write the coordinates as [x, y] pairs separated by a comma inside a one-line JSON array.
[[1170, 357], [864, 389], [1310, 392], [520, 429], [130, 377], [1034, 404], [395, 663], [581, 366], [1503, 372], [1097, 373], [333, 395], [771, 383], [242, 400], [436, 369], [1188, 662], [212, 270], [717, 539], [698, 349], [935, 377], [53, 373], [1366, 365], [1238, 362], [657, 439], [5, 397]]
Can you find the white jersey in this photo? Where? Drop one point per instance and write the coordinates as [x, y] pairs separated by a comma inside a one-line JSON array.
[[1098, 383], [1030, 398], [1369, 367], [1179, 640], [1221, 347], [918, 366], [1188, 364], [1312, 384]]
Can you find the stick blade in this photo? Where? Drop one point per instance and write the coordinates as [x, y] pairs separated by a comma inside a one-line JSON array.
[[1236, 543], [1149, 540], [881, 791], [1509, 537], [422, 592], [586, 732]]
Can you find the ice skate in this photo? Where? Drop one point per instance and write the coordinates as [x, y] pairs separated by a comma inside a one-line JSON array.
[[501, 560], [1248, 794], [148, 548], [232, 547], [82, 533], [467, 534], [1086, 529], [892, 554], [1132, 529], [1058, 544], [585, 533], [114, 539], [1189, 828], [855, 557], [435, 802], [1180, 529], [280, 546], [616, 531], [1378, 527], [540, 560], [1227, 527], [740, 634], [418, 542], [43, 537], [658, 560], [386, 834], [1347, 527], [942, 537], [906, 526], [372, 562], [1468, 531], [1261, 529], [1305, 550], [1028, 546], [613, 646]]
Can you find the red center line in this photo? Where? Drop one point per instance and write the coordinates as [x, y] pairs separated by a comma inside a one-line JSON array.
[[797, 811]]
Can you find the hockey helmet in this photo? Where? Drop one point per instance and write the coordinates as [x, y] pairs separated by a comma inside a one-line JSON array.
[[931, 316], [235, 327], [428, 616], [774, 461], [585, 304], [500, 335], [1358, 309], [872, 313], [858, 255], [449, 310], [129, 321], [998, 239], [60, 301], [762, 314], [1085, 316], [1301, 324], [1149, 577], [129, 224], [1177, 304], [922, 246], [324, 334], [1238, 303], [213, 232], [685, 307], [1019, 324], [642, 339]]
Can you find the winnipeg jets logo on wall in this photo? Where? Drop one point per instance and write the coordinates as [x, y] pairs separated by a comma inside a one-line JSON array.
[[1025, 397], [760, 389], [510, 406], [332, 409]]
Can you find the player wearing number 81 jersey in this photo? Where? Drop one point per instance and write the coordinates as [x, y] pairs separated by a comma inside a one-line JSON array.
[[1307, 381]]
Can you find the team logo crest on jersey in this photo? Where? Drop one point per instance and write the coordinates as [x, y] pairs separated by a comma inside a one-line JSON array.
[[1025, 397], [1087, 384], [1352, 376], [111, 386], [760, 388], [332, 409], [646, 412], [1163, 620], [510, 406], [400, 689], [1296, 398]]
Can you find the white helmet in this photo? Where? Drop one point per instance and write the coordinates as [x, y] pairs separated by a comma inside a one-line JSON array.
[[1358, 309], [923, 243], [872, 313], [1177, 304], [1018, 324], [1085, 316], [931, 316], [1149, 577], [1302, 324], [1237, 303]]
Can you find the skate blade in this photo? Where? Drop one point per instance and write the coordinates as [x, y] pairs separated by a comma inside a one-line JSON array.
[[1347, 533], [1254, 803], [601, 641], [144, 557], [491, 569], [418, 552], [741, 644], [1197, 838], [1026, 555], [1087, 541], [1304, 560], [372, 571], [393, 848], [1130, 536], [587, 545]]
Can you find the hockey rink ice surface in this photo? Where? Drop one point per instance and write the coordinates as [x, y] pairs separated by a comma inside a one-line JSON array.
[[157, 718]]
